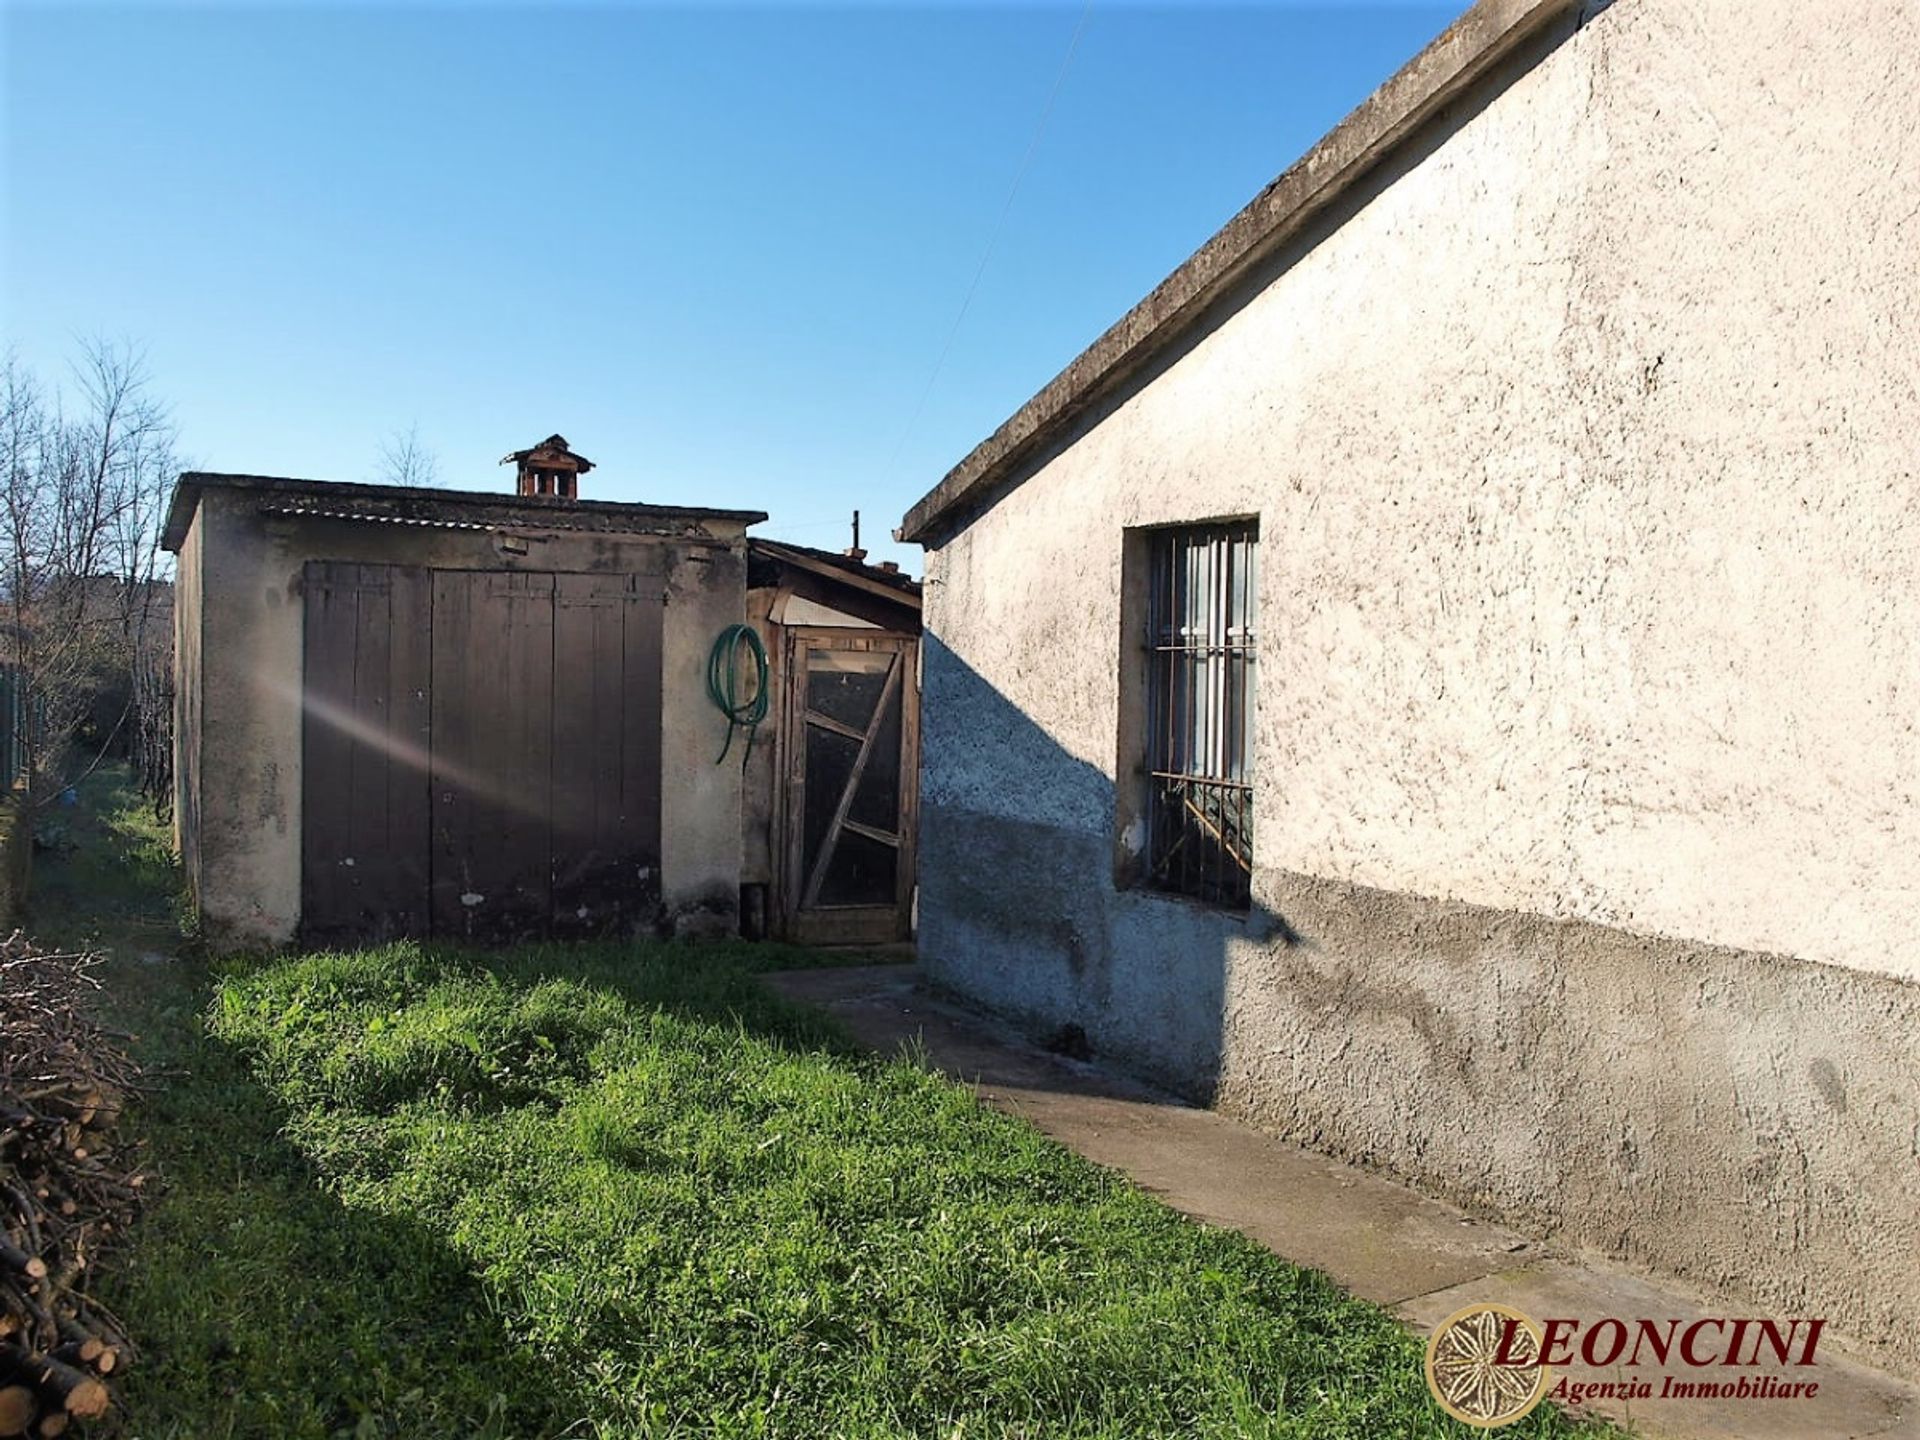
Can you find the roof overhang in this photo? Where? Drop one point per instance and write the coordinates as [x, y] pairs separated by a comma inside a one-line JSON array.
[[1463, 53], [900, 590]]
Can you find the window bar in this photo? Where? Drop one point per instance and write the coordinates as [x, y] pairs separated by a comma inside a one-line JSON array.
[[1182, 588], [1191, 719], [1163, 678], [1202, 696], [1223, 638], [1200, 595], [1164, 590], [1183, 759], [1222, 641], [1216, 652], [1207, 599]]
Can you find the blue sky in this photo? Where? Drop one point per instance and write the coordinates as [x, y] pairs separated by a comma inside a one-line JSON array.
[[720, 248]]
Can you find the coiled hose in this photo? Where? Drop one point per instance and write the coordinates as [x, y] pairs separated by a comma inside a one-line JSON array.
[[723, 678]]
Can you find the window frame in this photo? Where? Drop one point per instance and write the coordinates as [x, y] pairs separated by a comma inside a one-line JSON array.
[[1194, 630]]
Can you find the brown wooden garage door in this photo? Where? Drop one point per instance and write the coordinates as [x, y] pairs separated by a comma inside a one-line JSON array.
[[481, 754]]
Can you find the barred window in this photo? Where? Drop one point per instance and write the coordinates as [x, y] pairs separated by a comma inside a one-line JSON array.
[[1201, 606]]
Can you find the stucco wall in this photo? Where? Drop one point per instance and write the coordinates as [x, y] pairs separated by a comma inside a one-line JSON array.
[[187, 709], [1582, 445], [247, 838]]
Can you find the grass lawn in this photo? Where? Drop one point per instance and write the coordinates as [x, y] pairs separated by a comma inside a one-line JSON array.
[[605, 1191]]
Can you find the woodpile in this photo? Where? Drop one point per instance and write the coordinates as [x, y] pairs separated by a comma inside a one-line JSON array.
[[66, 1191]]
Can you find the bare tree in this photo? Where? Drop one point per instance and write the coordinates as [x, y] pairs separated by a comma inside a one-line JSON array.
[[405, 461], [87, 610]]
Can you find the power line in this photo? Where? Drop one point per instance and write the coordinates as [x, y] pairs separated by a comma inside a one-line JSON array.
[[993, 237]]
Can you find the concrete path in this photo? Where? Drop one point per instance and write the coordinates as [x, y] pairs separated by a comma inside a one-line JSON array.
[[1381, 1240]]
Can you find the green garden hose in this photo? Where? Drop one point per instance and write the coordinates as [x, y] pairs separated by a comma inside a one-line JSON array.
[[723, 678]]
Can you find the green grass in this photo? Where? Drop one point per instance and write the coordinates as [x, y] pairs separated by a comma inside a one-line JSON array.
[[609, 1191]]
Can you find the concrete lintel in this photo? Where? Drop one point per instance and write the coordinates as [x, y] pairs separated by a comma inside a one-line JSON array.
[[1470, 46]]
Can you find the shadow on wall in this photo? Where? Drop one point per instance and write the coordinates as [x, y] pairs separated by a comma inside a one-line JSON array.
[[1616, 1090], [1019, 905]]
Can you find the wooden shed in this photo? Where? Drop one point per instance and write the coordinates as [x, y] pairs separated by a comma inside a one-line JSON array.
[[832, 792]]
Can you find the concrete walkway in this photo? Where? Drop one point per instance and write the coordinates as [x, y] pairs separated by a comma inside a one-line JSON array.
[[1382, 1241]]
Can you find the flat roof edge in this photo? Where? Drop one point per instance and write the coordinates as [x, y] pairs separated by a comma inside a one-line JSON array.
[[187, 490], [1457, 57]]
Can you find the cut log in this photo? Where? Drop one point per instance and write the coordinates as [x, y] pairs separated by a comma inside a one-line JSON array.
[[68, 1187], [80, 1352], [32, 1266], [17, 1409], [78, 1392], [86, 1347]]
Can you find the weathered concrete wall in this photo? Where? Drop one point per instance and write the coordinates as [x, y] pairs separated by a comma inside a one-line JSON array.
[[1581, 439], [247, 838], [187, 712], [700, 801]]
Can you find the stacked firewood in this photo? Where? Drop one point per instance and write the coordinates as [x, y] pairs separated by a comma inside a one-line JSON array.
[[66, 1191]]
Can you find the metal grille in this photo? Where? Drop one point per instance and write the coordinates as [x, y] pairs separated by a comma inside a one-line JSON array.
[[1200, 642]]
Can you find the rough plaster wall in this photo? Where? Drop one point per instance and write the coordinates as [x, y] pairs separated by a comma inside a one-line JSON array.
[[1583, 455], [250, 627], [186, 708], [700, 814], [1748, 1121], [1584, 458], [1625, 540], [1751, 419], [250, 731]]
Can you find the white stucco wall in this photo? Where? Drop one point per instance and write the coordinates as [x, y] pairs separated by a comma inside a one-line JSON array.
[[1584, 456]]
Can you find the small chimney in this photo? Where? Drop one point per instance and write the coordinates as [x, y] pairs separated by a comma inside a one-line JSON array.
[[549, 469], [892, 567], [854, 552]]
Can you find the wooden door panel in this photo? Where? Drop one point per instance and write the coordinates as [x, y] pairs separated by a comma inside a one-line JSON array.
[[515, 673], [492, 748], [481, 754], [849, 803], [454, 803], [364, 796], [606, 755]]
